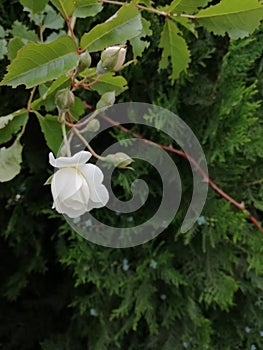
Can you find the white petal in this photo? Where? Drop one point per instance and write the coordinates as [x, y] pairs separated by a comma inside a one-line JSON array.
[[80, 198], [69, 211], [94, 177], [66, 182], [75, 205], [78, 159], [103, 195]]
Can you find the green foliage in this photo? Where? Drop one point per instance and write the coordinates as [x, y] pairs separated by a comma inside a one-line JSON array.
[[10, 159], [65, 7], [86, 8], [3, 43], [110, 82], [19, 30], [52, 131], [126, 24], [197, 290], [38, 63], [181, 6], [139, 44], [11, 124], [174, 46], [34, 6], [230, 18]]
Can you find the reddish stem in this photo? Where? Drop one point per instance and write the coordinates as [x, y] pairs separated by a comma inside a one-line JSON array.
[[223, 194], [72, 34], [89, 85]]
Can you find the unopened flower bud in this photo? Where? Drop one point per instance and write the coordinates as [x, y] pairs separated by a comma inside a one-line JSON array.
[[99, 69], [106, 100], [64, 100], [92, 126], [84, 61], [113, 58], [120, 160]]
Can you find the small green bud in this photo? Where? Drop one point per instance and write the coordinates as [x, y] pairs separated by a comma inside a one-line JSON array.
[[106, 100], [113, 58], [92, 126], [84, 61], [64, 100], [120, 160], [99, 69]]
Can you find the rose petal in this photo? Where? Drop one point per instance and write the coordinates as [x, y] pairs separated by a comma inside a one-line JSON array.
[[94, 177], [77, 159], [66, 182], [103, 195], [62, 208], [80, 198]]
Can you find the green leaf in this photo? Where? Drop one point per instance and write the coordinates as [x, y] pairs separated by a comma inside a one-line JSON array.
[[187, 23], [10, 159], [77, 109], [87, 8], [37, 18], [65, 7], [139, 45], [51, 129], [108, 82], [14, 45], [175, 47], [60, 83], [122, 26], [34, 5], [38, 63], [5, 120], [235, 17], [3, 48], [2, 32], [21, 31], [11, 124], [47, 99], [52, 20], [184, 6], [54, 36]]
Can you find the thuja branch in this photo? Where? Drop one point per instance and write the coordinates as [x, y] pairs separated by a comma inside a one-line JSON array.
[[206, 178]]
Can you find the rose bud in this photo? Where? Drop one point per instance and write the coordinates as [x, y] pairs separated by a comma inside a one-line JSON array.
[[106, 100], [92, 126], [119, 159], [112, 58], [64, 100], [84, 61]]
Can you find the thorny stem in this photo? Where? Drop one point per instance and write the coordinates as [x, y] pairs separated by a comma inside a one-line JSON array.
[[240, 206]]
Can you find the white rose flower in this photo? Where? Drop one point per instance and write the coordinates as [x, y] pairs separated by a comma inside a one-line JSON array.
[[76, 186]]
